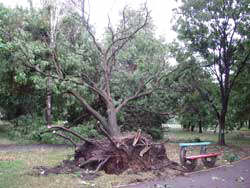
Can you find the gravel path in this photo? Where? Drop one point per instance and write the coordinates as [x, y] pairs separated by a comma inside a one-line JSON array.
[[236, 175]]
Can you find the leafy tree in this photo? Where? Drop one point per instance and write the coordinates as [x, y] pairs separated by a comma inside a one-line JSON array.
[[240, 99], [92, 71], [217, 33], [186, 85]]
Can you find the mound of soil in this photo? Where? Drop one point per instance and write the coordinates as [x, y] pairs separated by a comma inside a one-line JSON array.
[[131, 151]]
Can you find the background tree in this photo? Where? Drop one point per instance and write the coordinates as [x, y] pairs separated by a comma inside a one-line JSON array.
[[217, 33]]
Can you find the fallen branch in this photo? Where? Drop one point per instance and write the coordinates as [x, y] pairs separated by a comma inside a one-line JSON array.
[[101, 164], [70, 131], [87, 162], [65, 137]]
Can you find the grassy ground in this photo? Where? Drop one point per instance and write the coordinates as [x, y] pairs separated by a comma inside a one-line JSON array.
[[238, 145], [16, 167]]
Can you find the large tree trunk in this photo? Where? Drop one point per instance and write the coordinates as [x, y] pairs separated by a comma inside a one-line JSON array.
[[112, 127], [221, 139], [248, 124]]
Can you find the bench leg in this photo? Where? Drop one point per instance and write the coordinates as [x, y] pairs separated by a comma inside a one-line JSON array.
[[208, 162], [187, 163]]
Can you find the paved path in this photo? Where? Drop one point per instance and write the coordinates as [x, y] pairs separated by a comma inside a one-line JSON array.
[[31, 147], [236, 175]]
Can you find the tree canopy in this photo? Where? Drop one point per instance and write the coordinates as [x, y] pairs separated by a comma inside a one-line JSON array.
[[217, 34]]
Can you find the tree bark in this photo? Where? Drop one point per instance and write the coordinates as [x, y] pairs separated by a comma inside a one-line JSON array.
[[248, 124], [48, 102], [192, 128], [221, 140], [113, 128], [200, 127]]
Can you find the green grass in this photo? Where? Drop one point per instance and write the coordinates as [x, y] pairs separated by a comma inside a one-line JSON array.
[[235, 138], [10, 171], [16, 169]]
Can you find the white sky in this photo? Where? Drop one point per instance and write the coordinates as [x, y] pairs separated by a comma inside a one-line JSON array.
[[161, 11]]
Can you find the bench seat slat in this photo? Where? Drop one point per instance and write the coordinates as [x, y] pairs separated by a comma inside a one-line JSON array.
[[194, 144], [203, 156]]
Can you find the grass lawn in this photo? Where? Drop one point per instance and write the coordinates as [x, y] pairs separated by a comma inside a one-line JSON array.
[[16, 167], [238, 145]]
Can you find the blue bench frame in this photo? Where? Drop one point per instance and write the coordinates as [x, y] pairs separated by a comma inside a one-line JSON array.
[[194, 144], [193, 159]]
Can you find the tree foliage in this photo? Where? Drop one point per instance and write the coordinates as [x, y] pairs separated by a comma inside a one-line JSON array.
[[216, 32]]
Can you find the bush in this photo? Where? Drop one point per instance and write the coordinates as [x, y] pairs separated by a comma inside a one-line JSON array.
[[25, 127], [30, 128], [156, 133], [85, 130], [231, 157]]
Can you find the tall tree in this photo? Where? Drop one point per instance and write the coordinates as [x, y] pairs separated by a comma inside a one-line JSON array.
[[84, 65], [217, 33], [55, 10]]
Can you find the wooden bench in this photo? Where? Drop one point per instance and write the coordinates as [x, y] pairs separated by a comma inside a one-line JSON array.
[[190, 162]]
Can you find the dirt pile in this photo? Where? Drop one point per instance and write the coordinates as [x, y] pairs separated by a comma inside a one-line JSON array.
[[135, 152]]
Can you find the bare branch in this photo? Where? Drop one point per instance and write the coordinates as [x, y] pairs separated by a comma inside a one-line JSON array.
[[125, 39], [137, 96], [70, 131], [66, 138], [101, 164], [89, 108], [239, 70], [107, 135], [98, 46]]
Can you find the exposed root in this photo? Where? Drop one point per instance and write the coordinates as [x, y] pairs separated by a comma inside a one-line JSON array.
[[130, 151], [114, 155]]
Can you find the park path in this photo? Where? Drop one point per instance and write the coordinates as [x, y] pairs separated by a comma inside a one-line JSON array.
[[30, 147], [236, 175]]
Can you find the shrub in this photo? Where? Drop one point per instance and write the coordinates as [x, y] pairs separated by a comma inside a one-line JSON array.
[[231, 157], [156, 133]]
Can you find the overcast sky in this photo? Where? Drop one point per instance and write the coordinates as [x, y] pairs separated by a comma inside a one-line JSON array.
[[161, 11]]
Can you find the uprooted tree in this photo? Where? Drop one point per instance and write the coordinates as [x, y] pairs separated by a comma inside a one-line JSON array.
[[128, 65]]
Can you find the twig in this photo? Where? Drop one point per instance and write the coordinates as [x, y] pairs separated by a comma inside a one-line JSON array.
[[87, 162], [65, 137], [72, 132], [101, 164]]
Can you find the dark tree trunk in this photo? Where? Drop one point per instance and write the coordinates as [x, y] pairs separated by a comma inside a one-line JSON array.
[[192, 128], [215, 128], [248, 124], [221, 140], [200, 127]]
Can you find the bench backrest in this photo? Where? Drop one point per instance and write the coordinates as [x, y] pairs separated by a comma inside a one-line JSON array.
[[194, 144]]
